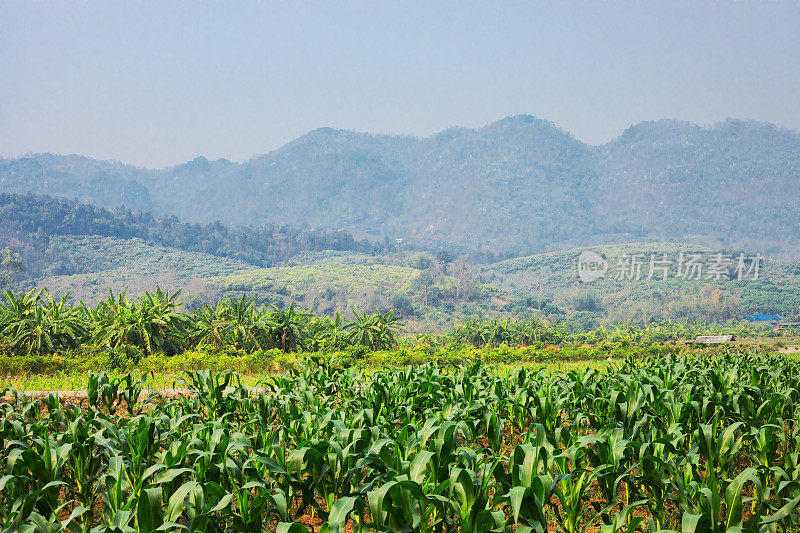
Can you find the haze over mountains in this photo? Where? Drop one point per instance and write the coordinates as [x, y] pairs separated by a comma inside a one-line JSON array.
[[516, 186]]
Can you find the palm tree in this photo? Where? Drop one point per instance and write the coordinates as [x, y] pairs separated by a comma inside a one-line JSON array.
[[288, 328], [209, 326], [232, 322], [31, 327], [150, 323], [328, 333], [376, 331]]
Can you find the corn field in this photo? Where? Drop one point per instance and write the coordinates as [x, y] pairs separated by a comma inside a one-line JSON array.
[[695, 444]]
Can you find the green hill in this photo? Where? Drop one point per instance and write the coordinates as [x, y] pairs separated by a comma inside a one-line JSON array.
[[84, 250], [333, 282], [325, 282], [97, 264], [76, 248], [28, 221], [615, 296]]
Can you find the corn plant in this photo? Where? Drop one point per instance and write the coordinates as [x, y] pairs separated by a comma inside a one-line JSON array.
[[659, 443]]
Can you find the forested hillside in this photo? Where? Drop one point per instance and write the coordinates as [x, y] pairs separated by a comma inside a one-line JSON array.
[[82, 250], [104, 183], [732, 185], [28, 222], [553, 277], [517, 186]]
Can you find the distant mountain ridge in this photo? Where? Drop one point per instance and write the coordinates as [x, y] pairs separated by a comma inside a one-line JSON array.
[[516, 186]]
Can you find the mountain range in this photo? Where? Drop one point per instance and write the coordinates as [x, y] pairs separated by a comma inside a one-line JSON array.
[[517, 186]]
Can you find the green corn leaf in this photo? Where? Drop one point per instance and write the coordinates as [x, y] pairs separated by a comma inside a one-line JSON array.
[[78, 510], [419, 465], [339, 511], [733, 498], [782, 513], [291, 527], [148, 510], [695, 523], [177, 500]]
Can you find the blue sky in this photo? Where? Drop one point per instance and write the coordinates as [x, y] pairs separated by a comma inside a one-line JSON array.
[[158, 83]]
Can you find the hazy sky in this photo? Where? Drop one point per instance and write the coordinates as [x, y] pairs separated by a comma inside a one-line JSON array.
[[159, 83]]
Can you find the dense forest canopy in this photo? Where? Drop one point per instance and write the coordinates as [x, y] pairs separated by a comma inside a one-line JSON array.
[[27, 221]]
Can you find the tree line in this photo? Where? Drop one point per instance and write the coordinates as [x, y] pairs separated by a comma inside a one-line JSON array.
[[29, 220], [37, 323]]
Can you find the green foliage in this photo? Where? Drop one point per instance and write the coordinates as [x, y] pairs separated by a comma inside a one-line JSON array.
[[235, 323], [587, 301], [552, 277], [288, 328], [505, 331], [328, 333], [36, 323], [74, 247], [657, 443], [150, 323], [376, 331], [34, 217], [124, 330]]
